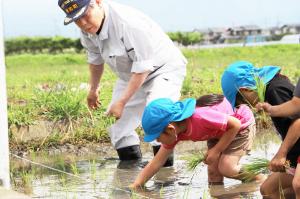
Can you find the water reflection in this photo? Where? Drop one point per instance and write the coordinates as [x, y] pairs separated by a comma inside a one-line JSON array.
[[101, 178]]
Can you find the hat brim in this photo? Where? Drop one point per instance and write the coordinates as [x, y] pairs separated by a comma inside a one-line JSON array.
[[71, 18], [152, 137]]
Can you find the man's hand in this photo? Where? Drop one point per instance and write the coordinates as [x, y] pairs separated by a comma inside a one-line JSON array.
[[212, 156], [116, 109], [93, 100], [277, 164]]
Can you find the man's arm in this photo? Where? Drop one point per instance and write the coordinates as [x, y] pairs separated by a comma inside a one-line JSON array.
[[135, 82], [286, 109], [96, 72], [293, 134]]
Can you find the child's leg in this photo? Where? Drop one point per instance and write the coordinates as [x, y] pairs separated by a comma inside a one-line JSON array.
[[229, 161], [296, 181], [214, 176], [229, 165], [275, 184]]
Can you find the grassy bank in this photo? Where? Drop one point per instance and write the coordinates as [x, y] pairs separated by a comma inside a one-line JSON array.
[[53, 88]]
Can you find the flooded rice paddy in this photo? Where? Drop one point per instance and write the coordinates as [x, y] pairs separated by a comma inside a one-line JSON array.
[[99, 177]]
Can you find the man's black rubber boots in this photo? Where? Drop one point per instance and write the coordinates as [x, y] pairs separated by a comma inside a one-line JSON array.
[[130, 153], [170, 160]]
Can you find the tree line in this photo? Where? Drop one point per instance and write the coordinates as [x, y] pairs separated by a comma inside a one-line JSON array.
[[57, 44], [34, 45]]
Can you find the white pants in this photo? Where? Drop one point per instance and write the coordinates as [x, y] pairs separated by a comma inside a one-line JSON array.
[[122, 133]]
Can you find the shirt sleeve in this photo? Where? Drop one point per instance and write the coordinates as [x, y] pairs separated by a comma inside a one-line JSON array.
[[297, 89], [214, 120], [93, 53], [138, 43]]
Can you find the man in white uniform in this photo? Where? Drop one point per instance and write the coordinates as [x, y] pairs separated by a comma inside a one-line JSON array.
[[145, 60]]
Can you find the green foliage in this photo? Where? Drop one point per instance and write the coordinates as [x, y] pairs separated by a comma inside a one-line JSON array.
[[41, 44], [62, 105], [20, 116], [45, 82], [186, 38]]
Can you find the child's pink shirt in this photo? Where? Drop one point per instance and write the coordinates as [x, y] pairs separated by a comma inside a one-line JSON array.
[[211, 122]]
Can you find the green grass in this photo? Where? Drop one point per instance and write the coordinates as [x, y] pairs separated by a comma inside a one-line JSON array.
[[45, 87]]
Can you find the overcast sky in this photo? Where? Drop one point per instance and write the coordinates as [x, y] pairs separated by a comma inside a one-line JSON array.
[[44, 17]]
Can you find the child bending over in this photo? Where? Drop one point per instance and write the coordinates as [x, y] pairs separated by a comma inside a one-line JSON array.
[[229, 133], [239, 86]]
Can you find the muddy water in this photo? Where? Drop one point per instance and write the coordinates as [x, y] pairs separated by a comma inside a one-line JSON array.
[[100, 178]]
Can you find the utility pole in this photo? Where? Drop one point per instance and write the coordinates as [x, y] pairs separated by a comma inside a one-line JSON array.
[[4, 150]]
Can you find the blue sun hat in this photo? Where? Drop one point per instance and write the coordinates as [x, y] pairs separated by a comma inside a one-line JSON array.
[[241, 75], [160, 112], [74, 9]]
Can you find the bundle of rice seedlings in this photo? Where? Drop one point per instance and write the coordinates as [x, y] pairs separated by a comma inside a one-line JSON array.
[[260, 88], [194, 160], [255, 167], [261, 92]]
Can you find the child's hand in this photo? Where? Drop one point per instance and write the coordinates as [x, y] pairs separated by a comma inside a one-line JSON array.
[[264, 106], [211, 156], [133, 187]]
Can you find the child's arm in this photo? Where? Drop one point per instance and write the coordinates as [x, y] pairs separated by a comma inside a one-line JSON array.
[[233, 127], [293, 134], [283, 110], [152, 167]]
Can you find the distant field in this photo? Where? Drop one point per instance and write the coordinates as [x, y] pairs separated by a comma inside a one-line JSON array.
[[35, 82]]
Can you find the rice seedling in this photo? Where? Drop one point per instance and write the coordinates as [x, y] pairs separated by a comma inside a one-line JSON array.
[[74, 168], [63, 181], [205, 195], [255, 167], [194, 160], [281, 191], [258, 166], [261, 91], [93, 170], [186, 192], [161, 191], [260, 88], [26, 179]]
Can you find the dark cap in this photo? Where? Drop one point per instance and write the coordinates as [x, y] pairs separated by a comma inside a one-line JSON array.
[[74, 9]]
